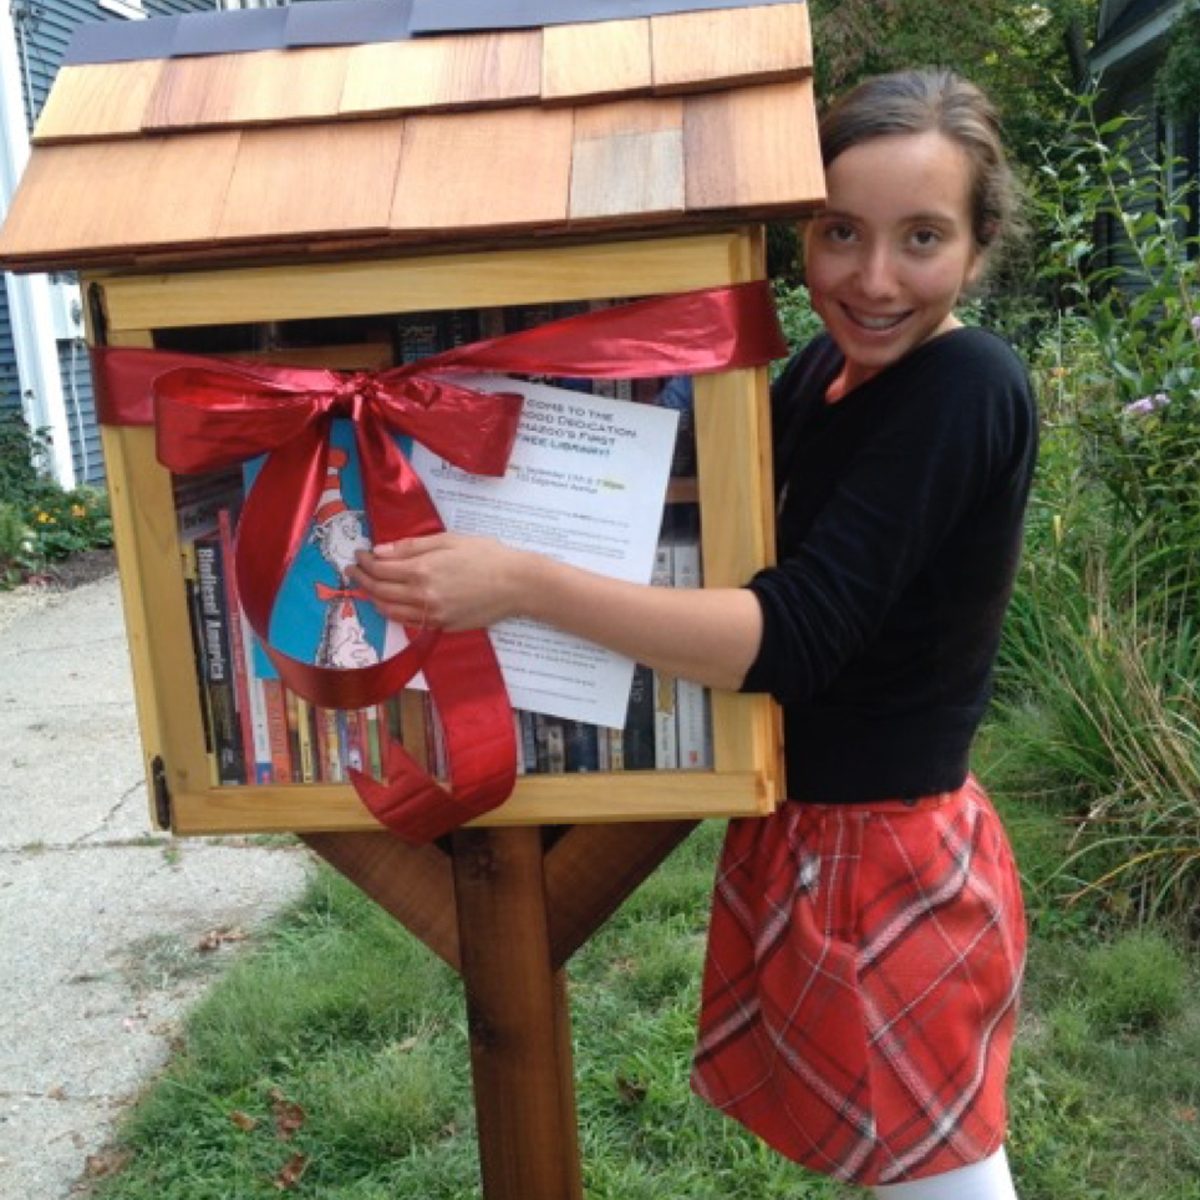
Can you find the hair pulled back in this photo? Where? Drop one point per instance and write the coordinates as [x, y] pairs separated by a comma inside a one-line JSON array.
[[922, 101]]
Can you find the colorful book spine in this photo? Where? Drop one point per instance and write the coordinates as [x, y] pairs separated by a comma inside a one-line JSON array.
[[252, 715], [277, 730], [309, 765], [375, 722]]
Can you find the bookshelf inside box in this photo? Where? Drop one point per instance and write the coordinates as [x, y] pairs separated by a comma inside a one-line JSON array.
[[195, 310]]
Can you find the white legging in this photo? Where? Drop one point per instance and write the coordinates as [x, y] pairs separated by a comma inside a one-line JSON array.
[[987, 1180]]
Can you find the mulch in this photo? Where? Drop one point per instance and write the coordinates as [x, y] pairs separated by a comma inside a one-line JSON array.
[[85, 567]]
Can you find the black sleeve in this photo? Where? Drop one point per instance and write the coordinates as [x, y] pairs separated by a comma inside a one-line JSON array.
[[952, 428]]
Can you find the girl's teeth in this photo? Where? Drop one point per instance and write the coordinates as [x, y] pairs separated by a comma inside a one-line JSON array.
[[877, 322]]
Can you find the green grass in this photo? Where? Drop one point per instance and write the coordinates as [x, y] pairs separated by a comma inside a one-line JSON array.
[[339, 1011]]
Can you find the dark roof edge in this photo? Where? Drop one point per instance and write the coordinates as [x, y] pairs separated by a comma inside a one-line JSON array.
[[349, 23]]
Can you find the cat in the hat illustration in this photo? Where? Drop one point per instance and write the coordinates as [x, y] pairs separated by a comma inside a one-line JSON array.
[[338, 533]]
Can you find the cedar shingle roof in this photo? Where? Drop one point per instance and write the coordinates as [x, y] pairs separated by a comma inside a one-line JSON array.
[[653, 123]]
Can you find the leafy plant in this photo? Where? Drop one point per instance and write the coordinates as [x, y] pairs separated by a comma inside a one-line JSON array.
[[1139, 394], [1178, 81], [41, 522], [1135, 983]]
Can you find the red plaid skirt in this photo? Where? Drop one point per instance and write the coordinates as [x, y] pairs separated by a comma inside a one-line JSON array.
[[861, 984]]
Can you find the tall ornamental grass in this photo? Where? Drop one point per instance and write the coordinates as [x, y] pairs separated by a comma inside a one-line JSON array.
[[1098, 705]]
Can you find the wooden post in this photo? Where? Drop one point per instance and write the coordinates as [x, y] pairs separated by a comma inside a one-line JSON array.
[[517, 1016], [507, 908]]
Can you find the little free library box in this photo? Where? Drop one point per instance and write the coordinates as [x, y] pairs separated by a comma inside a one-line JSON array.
[[342, 209]]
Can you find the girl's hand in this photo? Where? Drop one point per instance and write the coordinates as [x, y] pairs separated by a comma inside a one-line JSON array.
[[449, 581]]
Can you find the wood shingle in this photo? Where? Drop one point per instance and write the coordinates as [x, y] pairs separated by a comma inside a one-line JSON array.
[[669, 120]]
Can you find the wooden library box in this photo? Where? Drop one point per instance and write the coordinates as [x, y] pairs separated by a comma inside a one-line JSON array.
[[286, 197]]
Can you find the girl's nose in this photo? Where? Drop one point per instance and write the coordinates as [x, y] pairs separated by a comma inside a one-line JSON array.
[[877, 273]]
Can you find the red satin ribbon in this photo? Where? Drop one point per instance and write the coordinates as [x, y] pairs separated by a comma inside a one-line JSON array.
[[211, 413]]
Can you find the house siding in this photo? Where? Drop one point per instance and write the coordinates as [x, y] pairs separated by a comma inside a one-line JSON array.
[[1128, 86], [10, 388]]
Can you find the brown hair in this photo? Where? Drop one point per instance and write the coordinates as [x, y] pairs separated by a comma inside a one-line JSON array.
[[940, 101]]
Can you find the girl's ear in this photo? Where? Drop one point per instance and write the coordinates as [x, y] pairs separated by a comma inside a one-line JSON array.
[[975, 269]]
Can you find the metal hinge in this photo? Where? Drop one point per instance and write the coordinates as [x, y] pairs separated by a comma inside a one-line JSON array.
[[162, 793]]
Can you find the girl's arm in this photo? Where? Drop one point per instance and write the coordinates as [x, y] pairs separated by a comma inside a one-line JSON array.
[[710, 635]]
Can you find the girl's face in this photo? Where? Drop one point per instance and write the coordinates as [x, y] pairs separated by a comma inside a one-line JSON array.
[[889, 256]]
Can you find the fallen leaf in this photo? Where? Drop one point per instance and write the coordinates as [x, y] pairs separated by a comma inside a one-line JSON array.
[[1187, 1113], [243, 1121], [57, 1093], [291, 1172], [407, 1046], [630, 1090], [105, 1163], [214, 939], [289, 1116]]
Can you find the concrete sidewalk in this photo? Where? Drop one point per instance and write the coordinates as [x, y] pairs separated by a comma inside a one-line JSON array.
[[101, 920]]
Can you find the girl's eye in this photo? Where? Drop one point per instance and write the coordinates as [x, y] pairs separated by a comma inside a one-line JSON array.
[[926, 239], [838, 233]]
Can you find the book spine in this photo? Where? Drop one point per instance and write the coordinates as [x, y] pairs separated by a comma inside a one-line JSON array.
[[580, 750], [518, 742], [304, 735], [329, 744], [529, 753], [255, 744], [637, 738], [666, 732], [196, 625], [551, 744], [354, 745], [693, 713], [277, 729], [376, 725], [214, 611], [415, 727], [603, 749], [616, 749]]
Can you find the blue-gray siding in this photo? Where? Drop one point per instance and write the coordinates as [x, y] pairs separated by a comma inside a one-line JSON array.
[[10, 397]]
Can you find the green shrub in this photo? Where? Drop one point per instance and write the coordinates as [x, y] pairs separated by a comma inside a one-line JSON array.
[[40, 522], [1135, 984], [16, 545]]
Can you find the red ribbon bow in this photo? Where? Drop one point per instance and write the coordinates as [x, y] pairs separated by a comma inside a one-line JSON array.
[[211, 414]]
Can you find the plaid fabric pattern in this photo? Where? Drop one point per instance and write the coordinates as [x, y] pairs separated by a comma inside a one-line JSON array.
[[861, 984]]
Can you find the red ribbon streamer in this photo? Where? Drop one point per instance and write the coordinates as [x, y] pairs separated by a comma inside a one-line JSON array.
[[211, 413]]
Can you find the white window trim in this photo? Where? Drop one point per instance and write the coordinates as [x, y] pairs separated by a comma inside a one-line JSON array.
[[130, 9]]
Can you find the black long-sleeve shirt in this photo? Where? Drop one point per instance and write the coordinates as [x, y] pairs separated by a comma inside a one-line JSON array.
[[900, 518]]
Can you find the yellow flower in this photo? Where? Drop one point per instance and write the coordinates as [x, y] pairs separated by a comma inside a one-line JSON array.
[[43, 518], [78, 510]]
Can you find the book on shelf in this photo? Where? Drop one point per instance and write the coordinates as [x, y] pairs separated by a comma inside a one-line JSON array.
[[277, 729], [581, 750], [693, 712], [637, 738], [251, 704], [215, 619], [196, 626], [664, 685]]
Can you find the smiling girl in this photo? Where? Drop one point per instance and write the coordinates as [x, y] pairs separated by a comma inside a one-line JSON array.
[[867, 940]]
